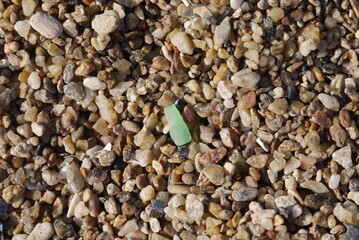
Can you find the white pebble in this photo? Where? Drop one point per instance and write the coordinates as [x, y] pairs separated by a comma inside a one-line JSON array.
[[94, 83], [334, 181], [46, 25]]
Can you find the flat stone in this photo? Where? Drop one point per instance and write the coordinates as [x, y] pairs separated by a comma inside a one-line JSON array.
[[244, 194], [315, 201], [285, 201], [258, 161], [317, 187], [94, 83], [330, 102], [223, 31], [46, 25], [215, 174], [62, 229]]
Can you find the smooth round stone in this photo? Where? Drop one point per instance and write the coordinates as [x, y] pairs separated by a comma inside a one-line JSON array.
[[236, 3], [42, 231], [46, 25], [34, 80]]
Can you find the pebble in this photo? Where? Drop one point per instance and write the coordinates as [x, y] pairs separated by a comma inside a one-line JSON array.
[[38, 128], [46, 25], [74, 178], [226, 137], [226, 89], [330, 102], [317, 187], [206, 133], [74, 91], [106, 22], [94, 83], [306, 162], [244, 194], [62, 230], [258, 161], [354, 185], [144, 139], [214, 173], [307, 46], [352, 232], [235, 4], [106, 108], [223, 31], [70, 28], [278, 106], [334, 181], [316, 201], [34, 80], [157, 208], [322, 119], [147, 193], [155, 225], [285, 201], [51, 177], [22, 28], [343, 156], [42, 231], [276, 14], [245, 78], [81, 210], [342, 214], [94, 205], [194, 207], [182, 42]]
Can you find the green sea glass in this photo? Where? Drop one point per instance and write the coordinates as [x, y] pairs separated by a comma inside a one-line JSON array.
[[178, 129]]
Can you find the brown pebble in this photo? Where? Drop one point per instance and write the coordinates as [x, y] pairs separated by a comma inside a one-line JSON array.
[[344, 118], [213, 156], [322, 119]]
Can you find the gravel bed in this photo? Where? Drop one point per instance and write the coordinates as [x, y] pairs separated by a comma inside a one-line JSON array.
[[170, 119]]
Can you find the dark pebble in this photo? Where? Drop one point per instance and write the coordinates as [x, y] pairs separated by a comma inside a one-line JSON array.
[[4, 207], [118, 164], [353, 232], [180, 104], [124, 197], [183, 151], [1, 231], [38, 151], [315, 201], [292, 93], [157, 208], [354, 185]]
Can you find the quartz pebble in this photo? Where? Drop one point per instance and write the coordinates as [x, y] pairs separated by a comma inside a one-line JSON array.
[[245, 79], [42, 231], [329, 102], [182, 42], [236, 3], [244, 194], [343, 157], [46, 25], [74, 178], [106, 22], [94, 83]]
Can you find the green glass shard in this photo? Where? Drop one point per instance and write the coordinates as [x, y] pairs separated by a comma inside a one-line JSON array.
[[178, 129]]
